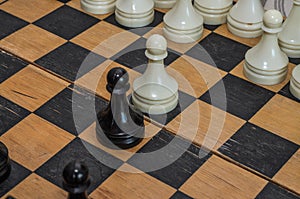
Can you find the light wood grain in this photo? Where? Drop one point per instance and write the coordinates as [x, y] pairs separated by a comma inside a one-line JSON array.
[[218, 178], [281, 116], [194, 77], [35, 187], [31, 42], [32, 87], [36, 140], [289, 174], [105, 39], [24, 10], [132, 184], [210, 126]]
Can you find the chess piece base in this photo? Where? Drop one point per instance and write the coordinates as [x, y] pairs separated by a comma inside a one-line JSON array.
[[134, 20], [213, 17], [186, 36], [98, 7], [164, 4], [264, 77], [295, 82], [244, 30], [292, 51], [154, 107]]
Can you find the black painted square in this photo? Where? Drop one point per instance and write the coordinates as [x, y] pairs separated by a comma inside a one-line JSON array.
[[10, 114], [72, 111], [241, 97], [18, 173], [285, 91], [295, 60], [9, 65], [66, 22], [158, 18], [134, 56], [272, 191], [64, 1], [219, 51], [70, 61], [180, 195], [211, 27], [168, 158], [10, 24], [259, 149], [93, 157]]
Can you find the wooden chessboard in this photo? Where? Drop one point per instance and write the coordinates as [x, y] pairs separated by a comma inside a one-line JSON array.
[[252, 145]]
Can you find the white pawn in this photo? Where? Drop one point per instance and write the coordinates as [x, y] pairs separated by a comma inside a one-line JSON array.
[[155, 92], [245, 18], [98, 6], [289, 38], [134, 13], [214, 12], [164, 3], [182, 24], [265, 63]]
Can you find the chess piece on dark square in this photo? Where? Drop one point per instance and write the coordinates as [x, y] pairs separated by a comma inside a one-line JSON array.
[[119, 124], [76, 180]]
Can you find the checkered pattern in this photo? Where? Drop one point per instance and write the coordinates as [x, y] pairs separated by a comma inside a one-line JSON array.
[[255, 155]]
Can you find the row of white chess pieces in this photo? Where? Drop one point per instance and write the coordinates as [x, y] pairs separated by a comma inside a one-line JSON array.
[[266, 63]]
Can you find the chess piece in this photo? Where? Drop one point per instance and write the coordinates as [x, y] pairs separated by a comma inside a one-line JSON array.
[[214, 12], [289, 37], [76, 180], [164, 3], [245, 18], [5, 167], [182, 24], [134, 13], [98, 6], [295, 82], [119, 122], [265, 63], [155, 92]]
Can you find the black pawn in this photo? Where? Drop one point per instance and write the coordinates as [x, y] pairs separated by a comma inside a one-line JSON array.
[[76, 180], [4, 163], [120, 124]]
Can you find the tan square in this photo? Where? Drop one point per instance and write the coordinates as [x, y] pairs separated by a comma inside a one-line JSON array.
[[281, 116], [182, 48], [76, 4], [95, 80], [128, 182], [239, 71], [31, 42], [289, 174], [35, 187], [24, 10], [194, 77], [34, 140], [105, 39], [210, 126], [218, 178], [32, 87], [89, 135], [223, 30]]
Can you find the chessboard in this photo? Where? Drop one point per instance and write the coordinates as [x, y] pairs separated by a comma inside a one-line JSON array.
[[237, 139]]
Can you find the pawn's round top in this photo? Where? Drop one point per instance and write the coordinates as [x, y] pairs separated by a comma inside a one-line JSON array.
[[117, 78], [3, 155], [273, 19], [156, 47], [75, 173]]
